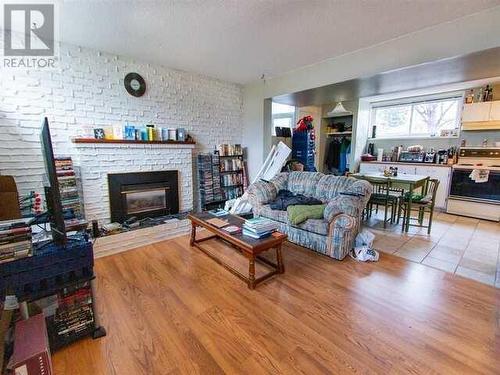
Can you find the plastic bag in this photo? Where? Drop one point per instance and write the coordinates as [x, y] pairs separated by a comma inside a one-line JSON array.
[[364, 238], [365, 254], [362, 247]]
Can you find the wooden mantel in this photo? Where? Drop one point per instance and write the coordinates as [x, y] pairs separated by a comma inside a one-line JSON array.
[[128, 141]]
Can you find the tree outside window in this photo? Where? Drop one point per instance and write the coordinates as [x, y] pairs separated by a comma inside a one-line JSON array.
[[425, 118]]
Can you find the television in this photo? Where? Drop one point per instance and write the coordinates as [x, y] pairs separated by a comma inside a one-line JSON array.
[[52, 192]]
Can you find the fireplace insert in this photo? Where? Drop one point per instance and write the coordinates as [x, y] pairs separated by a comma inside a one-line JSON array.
[[143, 194]]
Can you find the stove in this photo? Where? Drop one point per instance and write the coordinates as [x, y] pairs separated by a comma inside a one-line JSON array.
[[476, 199]]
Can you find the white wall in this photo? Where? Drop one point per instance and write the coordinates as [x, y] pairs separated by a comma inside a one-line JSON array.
[[88, 92], [469, 34], [95, 161]]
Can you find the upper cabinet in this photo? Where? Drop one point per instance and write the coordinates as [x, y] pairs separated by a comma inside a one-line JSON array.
[[481, 116], [495, 111]]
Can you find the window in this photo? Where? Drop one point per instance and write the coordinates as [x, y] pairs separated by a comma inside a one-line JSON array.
[[417, 118], [283, 116]]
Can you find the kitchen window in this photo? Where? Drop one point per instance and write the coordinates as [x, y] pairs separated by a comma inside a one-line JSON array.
[[425, 117], [283, 116]]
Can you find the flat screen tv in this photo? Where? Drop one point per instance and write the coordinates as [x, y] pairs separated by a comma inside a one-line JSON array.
[[52, 193]]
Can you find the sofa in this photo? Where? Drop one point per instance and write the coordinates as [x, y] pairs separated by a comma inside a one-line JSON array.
[[345, 199]]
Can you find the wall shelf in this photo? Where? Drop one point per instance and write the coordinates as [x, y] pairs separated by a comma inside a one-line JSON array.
[[128, 141]]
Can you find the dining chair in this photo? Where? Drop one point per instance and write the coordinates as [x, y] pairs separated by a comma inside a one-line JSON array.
[[382, 196], [421, 206]]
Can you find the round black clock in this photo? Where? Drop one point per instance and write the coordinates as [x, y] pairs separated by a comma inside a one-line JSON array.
[[135, 84]]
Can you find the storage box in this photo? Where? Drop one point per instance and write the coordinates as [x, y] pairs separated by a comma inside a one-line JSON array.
[[31, 348]]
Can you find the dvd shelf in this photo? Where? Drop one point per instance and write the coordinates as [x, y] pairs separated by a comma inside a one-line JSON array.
[[68, 188], [74, 315], [209, 181]]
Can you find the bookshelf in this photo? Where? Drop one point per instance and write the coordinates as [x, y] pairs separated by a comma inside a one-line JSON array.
[[232, 170]]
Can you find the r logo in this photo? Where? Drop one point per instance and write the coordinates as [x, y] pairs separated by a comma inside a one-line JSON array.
[[34, 23]]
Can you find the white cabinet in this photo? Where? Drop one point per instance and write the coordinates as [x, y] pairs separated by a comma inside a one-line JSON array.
[[371, 168], [481, 116], [374, 167], [442, 174], [476, 112], [495, 111]]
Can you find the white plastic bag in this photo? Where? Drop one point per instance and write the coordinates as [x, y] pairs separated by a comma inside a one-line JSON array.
[[364, 238], [363, 251], [364, 254]]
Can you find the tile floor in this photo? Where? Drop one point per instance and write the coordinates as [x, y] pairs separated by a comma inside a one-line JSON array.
[[460, 245]]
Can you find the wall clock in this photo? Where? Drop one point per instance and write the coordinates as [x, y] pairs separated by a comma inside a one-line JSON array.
[[135, 84]]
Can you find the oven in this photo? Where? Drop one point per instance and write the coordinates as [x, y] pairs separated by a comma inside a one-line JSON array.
[[462, 187], [480, 200]]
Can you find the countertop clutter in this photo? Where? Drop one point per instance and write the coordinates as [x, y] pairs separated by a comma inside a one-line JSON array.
[[413, 154], [407, 163]]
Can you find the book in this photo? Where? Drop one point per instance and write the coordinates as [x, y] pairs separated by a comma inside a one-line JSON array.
[[218, 212], [258, 236], [232, 229], [259, 225], [217, 222]]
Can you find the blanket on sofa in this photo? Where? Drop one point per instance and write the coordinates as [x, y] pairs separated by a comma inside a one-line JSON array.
[[299, 214], [286, 198]]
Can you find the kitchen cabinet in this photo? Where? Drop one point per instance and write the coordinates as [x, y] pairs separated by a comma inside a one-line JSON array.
[[481, 116], [495, 111], [441, 173], [374, 167], [476, 112]]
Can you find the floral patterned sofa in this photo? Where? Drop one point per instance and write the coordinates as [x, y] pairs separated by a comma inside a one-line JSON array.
[[335, 233]]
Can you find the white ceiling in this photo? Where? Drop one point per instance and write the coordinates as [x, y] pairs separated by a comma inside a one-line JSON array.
[[238, 40]]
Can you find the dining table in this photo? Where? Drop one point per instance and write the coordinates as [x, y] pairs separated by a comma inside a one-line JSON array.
[[408, 182]]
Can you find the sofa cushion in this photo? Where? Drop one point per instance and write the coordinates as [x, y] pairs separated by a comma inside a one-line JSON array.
[[280, 181], [263, 192], [318, 226], [280, 216], [330, 186], [303, 182]]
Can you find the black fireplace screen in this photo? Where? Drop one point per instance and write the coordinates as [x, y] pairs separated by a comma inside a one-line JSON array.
[[138, 201], [143, 194]]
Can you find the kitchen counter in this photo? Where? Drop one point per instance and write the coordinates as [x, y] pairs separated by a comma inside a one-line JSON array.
[[404, 163]]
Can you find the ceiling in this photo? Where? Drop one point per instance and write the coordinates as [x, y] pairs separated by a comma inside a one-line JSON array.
[[470, 67], [238, 40]]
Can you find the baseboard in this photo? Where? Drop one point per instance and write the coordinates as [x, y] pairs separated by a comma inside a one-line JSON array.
[[120, 242]]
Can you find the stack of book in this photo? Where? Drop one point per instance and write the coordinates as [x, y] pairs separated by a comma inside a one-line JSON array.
[[259, 227], [68, 189], [15, 240], [74, 314], [230, 150]]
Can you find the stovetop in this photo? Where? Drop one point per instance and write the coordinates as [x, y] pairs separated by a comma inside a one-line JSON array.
[[478, 158]]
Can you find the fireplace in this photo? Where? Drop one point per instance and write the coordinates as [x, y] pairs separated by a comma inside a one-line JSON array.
[[143, 194]]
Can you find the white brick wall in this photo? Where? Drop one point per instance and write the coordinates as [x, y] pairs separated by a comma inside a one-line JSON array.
[[88, 92], [94, 162]]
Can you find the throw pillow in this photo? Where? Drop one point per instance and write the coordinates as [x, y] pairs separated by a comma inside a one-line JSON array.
[[300, 213]]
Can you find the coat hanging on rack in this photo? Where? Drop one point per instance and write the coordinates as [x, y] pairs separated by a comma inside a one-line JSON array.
[[337, 155]]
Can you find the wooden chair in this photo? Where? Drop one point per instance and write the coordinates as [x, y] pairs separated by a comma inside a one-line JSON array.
[[383, 196], [423, 206]]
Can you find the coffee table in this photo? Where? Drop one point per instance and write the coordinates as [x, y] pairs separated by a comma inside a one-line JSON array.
[[248, 246]]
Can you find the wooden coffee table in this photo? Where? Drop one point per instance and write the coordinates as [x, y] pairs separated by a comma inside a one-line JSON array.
[[248, 246]]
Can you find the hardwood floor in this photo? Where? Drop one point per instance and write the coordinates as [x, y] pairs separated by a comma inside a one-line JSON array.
[[169, 309]]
